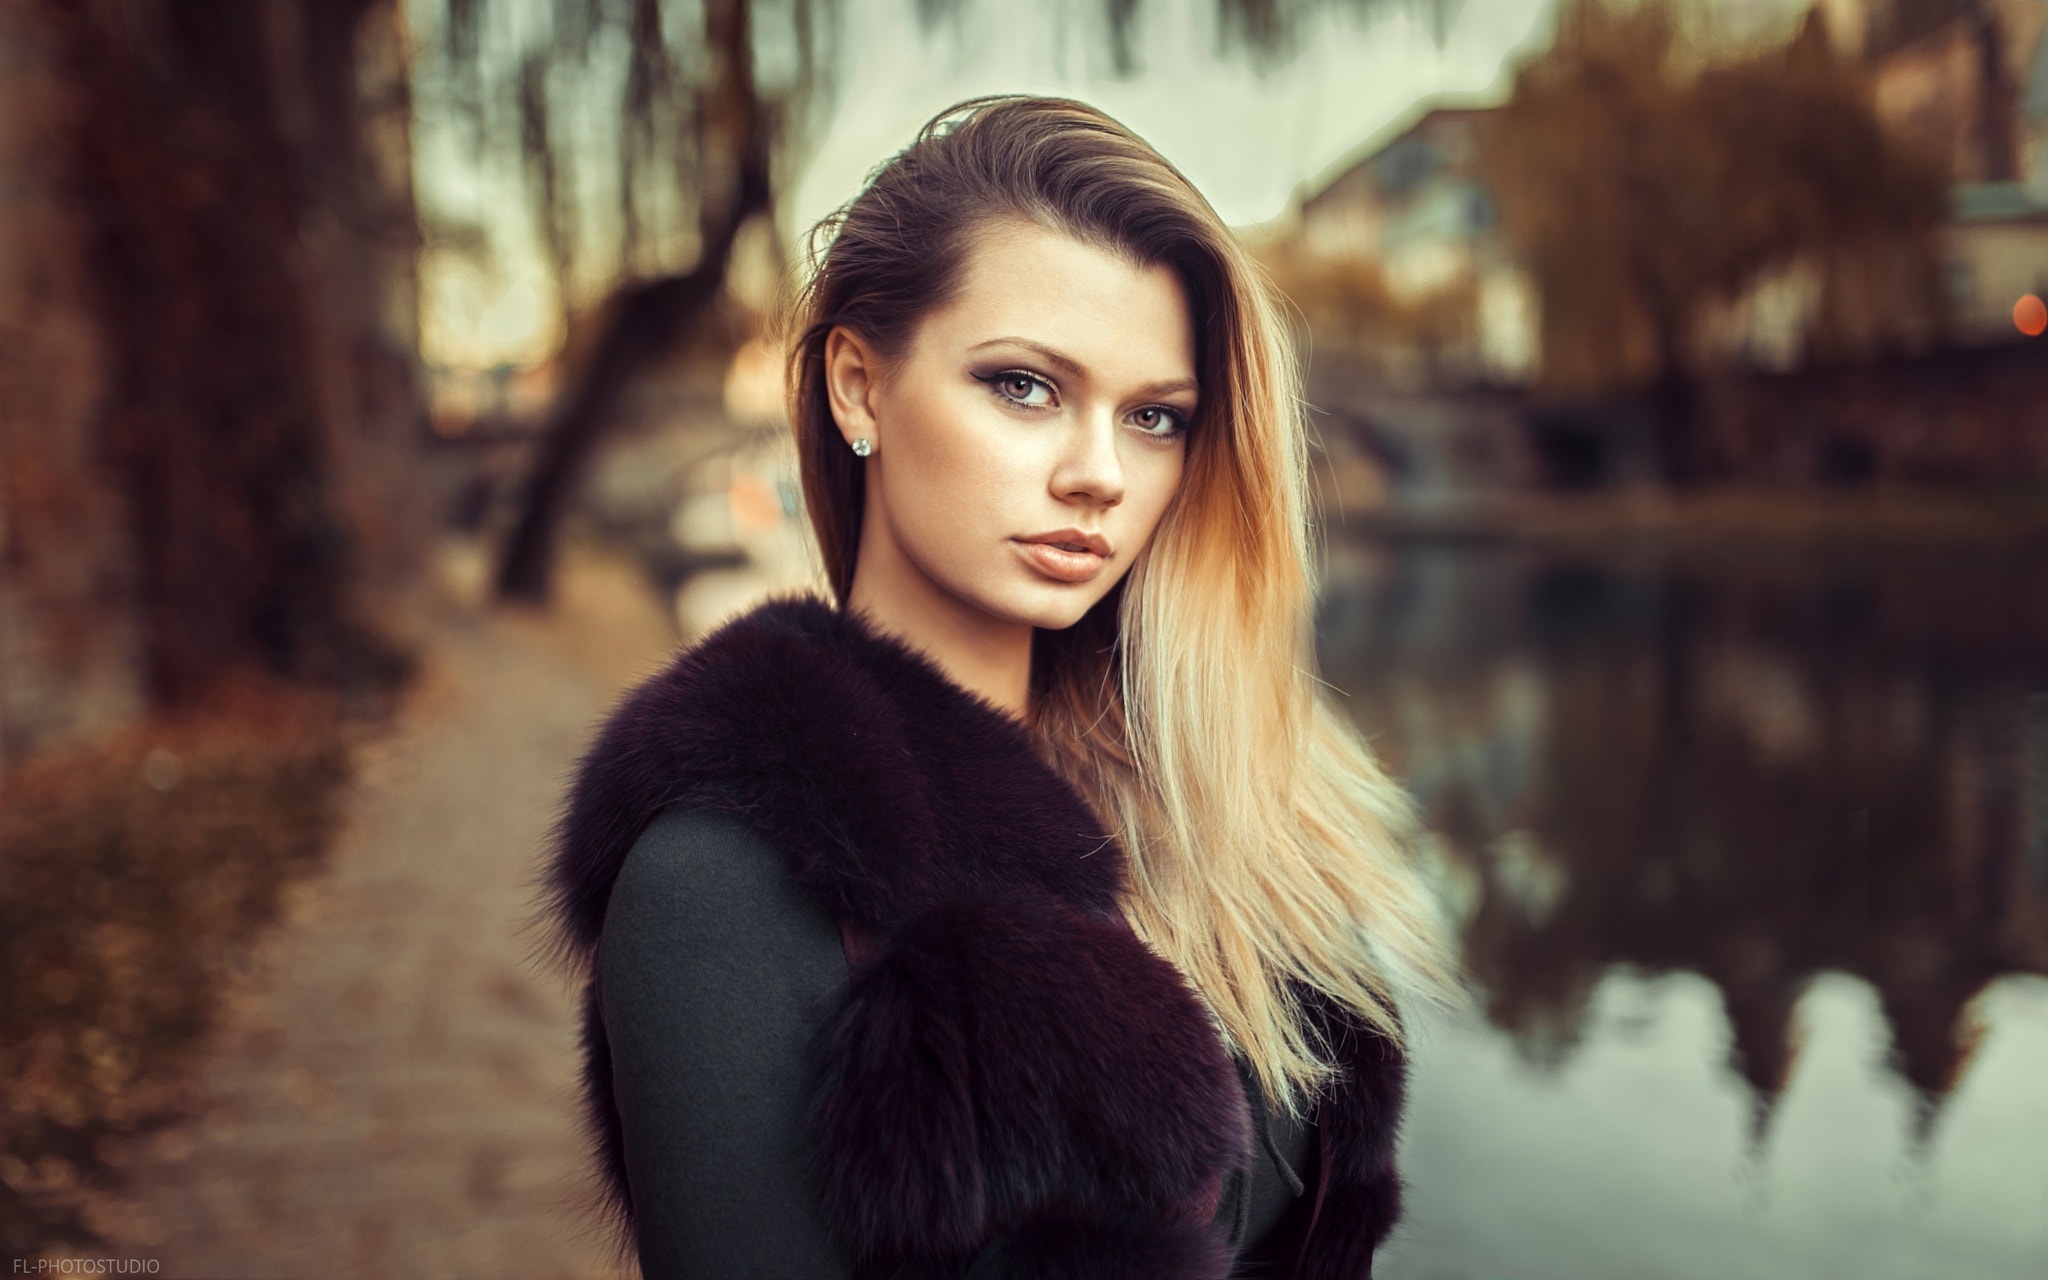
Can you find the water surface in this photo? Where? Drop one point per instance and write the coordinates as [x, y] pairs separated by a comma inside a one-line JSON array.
[[1750, 850]]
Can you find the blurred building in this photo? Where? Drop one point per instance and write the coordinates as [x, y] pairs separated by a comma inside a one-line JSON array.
[[1967, 81], [1400, 266], [1994, 251], [1996, 246], [2034, 122], [1949, 74], [1417, 209]]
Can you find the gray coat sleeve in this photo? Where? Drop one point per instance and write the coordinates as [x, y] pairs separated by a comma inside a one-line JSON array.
[[714, 972]]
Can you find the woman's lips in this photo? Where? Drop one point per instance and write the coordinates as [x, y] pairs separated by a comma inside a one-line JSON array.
[[1058, 563]]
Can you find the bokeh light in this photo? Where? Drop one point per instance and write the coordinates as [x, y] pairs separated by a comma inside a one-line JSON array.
[[2030, 315]]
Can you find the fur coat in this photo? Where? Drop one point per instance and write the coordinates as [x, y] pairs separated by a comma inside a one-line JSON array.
[[1012, 1080]]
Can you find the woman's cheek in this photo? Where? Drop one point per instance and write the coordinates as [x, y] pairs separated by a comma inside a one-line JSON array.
[[952, 509]]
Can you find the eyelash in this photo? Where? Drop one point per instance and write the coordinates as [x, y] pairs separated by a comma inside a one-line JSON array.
[[995, 381]]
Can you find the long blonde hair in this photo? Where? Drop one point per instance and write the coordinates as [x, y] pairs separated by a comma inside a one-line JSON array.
[[1268, 849]]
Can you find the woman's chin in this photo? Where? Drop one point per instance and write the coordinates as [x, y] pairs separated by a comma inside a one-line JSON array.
[[1048, 606]]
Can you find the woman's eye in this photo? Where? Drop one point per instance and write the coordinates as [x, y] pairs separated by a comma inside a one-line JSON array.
[[1159, 421], [1025, 389]]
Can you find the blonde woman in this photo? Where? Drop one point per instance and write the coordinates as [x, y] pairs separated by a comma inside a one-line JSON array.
[[1024, 909]]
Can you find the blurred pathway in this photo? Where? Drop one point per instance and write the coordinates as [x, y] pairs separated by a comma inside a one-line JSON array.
[[391, 1092]]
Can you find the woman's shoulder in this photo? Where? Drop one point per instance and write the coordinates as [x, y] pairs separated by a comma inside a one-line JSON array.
[[773, 649], [690, 848], [706, 865], [756, 718], [724, 726], [701, 890], [768, 658]]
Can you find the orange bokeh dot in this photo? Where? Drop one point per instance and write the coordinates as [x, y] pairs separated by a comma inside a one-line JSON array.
[[2030, 315]]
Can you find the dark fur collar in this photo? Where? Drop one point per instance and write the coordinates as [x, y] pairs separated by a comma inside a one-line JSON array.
[[1013, 1065]]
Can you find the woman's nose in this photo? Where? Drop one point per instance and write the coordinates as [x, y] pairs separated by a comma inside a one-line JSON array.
[[1090, 468]]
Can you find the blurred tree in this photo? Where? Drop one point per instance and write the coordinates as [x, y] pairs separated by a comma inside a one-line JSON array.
[[702, 128], [1643, 182], [247, 231], [728, 131]]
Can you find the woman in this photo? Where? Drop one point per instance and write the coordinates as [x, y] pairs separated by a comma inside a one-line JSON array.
[[1025, 910]]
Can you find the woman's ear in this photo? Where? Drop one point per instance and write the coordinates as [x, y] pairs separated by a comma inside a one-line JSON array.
[[851, 377]]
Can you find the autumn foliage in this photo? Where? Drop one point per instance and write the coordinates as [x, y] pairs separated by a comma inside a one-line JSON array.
[[1644, 180]]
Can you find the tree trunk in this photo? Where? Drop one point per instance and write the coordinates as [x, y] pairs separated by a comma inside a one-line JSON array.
[[1672, 400], [648, 320], [211, 160]]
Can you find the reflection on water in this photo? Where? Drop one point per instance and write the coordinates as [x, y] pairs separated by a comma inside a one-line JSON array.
[[1752, 857]]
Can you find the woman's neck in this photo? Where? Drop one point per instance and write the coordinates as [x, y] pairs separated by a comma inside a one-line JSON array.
[[985, 655]]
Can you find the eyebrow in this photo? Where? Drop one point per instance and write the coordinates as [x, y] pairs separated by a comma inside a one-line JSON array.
[[1072, 366]]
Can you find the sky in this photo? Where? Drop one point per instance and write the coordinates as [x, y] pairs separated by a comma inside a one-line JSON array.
[[1251, 142], [1248, 141]]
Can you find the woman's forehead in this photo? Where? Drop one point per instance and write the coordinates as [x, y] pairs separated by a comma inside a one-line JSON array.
[[1038, 288]]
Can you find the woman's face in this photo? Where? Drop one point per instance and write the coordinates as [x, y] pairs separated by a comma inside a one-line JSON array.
[[1048, 403]]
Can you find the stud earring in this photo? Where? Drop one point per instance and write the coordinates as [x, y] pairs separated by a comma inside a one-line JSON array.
[[861, 447]]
